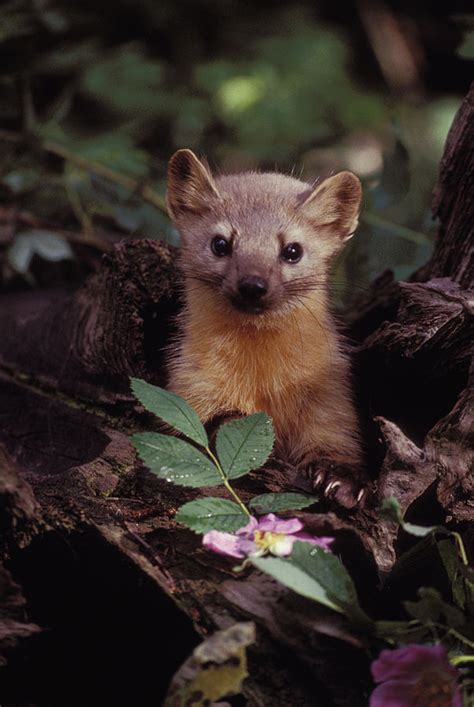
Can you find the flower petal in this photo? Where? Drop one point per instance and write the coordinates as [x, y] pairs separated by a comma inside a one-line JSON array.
[[224, 543], [414, 674], [323, 541], [270, 523], [394, 693], [457, 698], [248, 529], [409, 661]]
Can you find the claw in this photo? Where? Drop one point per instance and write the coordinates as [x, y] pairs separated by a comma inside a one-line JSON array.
[[360, 495], [319, 479], [332, 485]]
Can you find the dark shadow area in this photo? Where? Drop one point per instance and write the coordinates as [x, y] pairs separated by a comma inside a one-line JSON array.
[[403, 391], [110, 636], [159, 331], [46, 437]]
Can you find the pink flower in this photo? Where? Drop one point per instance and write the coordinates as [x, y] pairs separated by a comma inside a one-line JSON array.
[[415, 676], [269, 534]]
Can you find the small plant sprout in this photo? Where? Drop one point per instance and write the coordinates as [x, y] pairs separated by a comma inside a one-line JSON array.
[[274, 545], [241, 446]]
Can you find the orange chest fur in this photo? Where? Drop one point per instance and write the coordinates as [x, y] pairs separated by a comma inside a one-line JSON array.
[[249, 369]]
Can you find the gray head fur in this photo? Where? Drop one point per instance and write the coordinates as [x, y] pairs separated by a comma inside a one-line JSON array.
[[259, 215]]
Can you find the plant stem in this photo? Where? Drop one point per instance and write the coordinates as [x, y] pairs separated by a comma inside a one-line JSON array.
[[229, 488], [462, 659], [456, 634], [133, 185], [461, 548]]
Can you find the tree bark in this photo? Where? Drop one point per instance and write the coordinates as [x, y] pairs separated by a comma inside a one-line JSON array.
[[89, 536]]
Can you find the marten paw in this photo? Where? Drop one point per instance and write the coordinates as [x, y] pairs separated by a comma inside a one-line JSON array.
[[347, 485]]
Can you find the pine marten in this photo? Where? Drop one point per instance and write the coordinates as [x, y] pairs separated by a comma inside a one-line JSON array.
[[256, 333]]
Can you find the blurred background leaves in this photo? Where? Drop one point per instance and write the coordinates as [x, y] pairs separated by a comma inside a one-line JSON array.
[[95, 97]]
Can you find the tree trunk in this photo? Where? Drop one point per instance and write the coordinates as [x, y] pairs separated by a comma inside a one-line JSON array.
[[117, 594]]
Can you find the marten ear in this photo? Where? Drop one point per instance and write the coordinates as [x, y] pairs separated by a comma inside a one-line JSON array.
[[335, 203], [190, 184]]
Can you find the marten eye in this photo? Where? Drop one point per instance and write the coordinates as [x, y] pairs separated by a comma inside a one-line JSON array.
[[220, 246], [292, 252]]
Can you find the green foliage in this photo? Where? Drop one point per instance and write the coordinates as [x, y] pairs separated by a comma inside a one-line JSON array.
[[466, 25], [241, 445], [244, 444], [278, 502], [171, 408], [317, 575], [329, 571], [427, 616], [298, 79], [460, 575], [175, 460], [309, 570], [390, 510], [295, 578], [118, 88], [212, 514], [127, 80], [431, 608]]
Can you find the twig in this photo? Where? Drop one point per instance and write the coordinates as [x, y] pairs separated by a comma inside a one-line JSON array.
[[133, 185], [75, 237]]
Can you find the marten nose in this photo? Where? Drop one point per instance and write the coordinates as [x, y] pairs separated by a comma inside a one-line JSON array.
[[252, 289]]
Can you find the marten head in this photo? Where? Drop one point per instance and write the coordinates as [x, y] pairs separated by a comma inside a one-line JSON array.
[[264, 242]]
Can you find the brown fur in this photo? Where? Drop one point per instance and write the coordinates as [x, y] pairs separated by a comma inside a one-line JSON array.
[[287, 360]]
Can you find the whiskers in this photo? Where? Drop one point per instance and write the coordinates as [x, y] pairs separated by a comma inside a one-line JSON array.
[[302, 286], [207, 278]]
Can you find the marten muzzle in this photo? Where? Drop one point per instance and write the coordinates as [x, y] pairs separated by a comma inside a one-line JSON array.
[[251, 294]]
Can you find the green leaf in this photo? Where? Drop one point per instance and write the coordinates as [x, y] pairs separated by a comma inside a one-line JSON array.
[[390, 510], [449, 556], [245, 444], [330, 573], [401, 632], [212, 514], [171, 408], [175, 460], [318, 575], [466, 50], [293, 577], [431, 608], [420, 531], [276, 502], [460, 576]]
